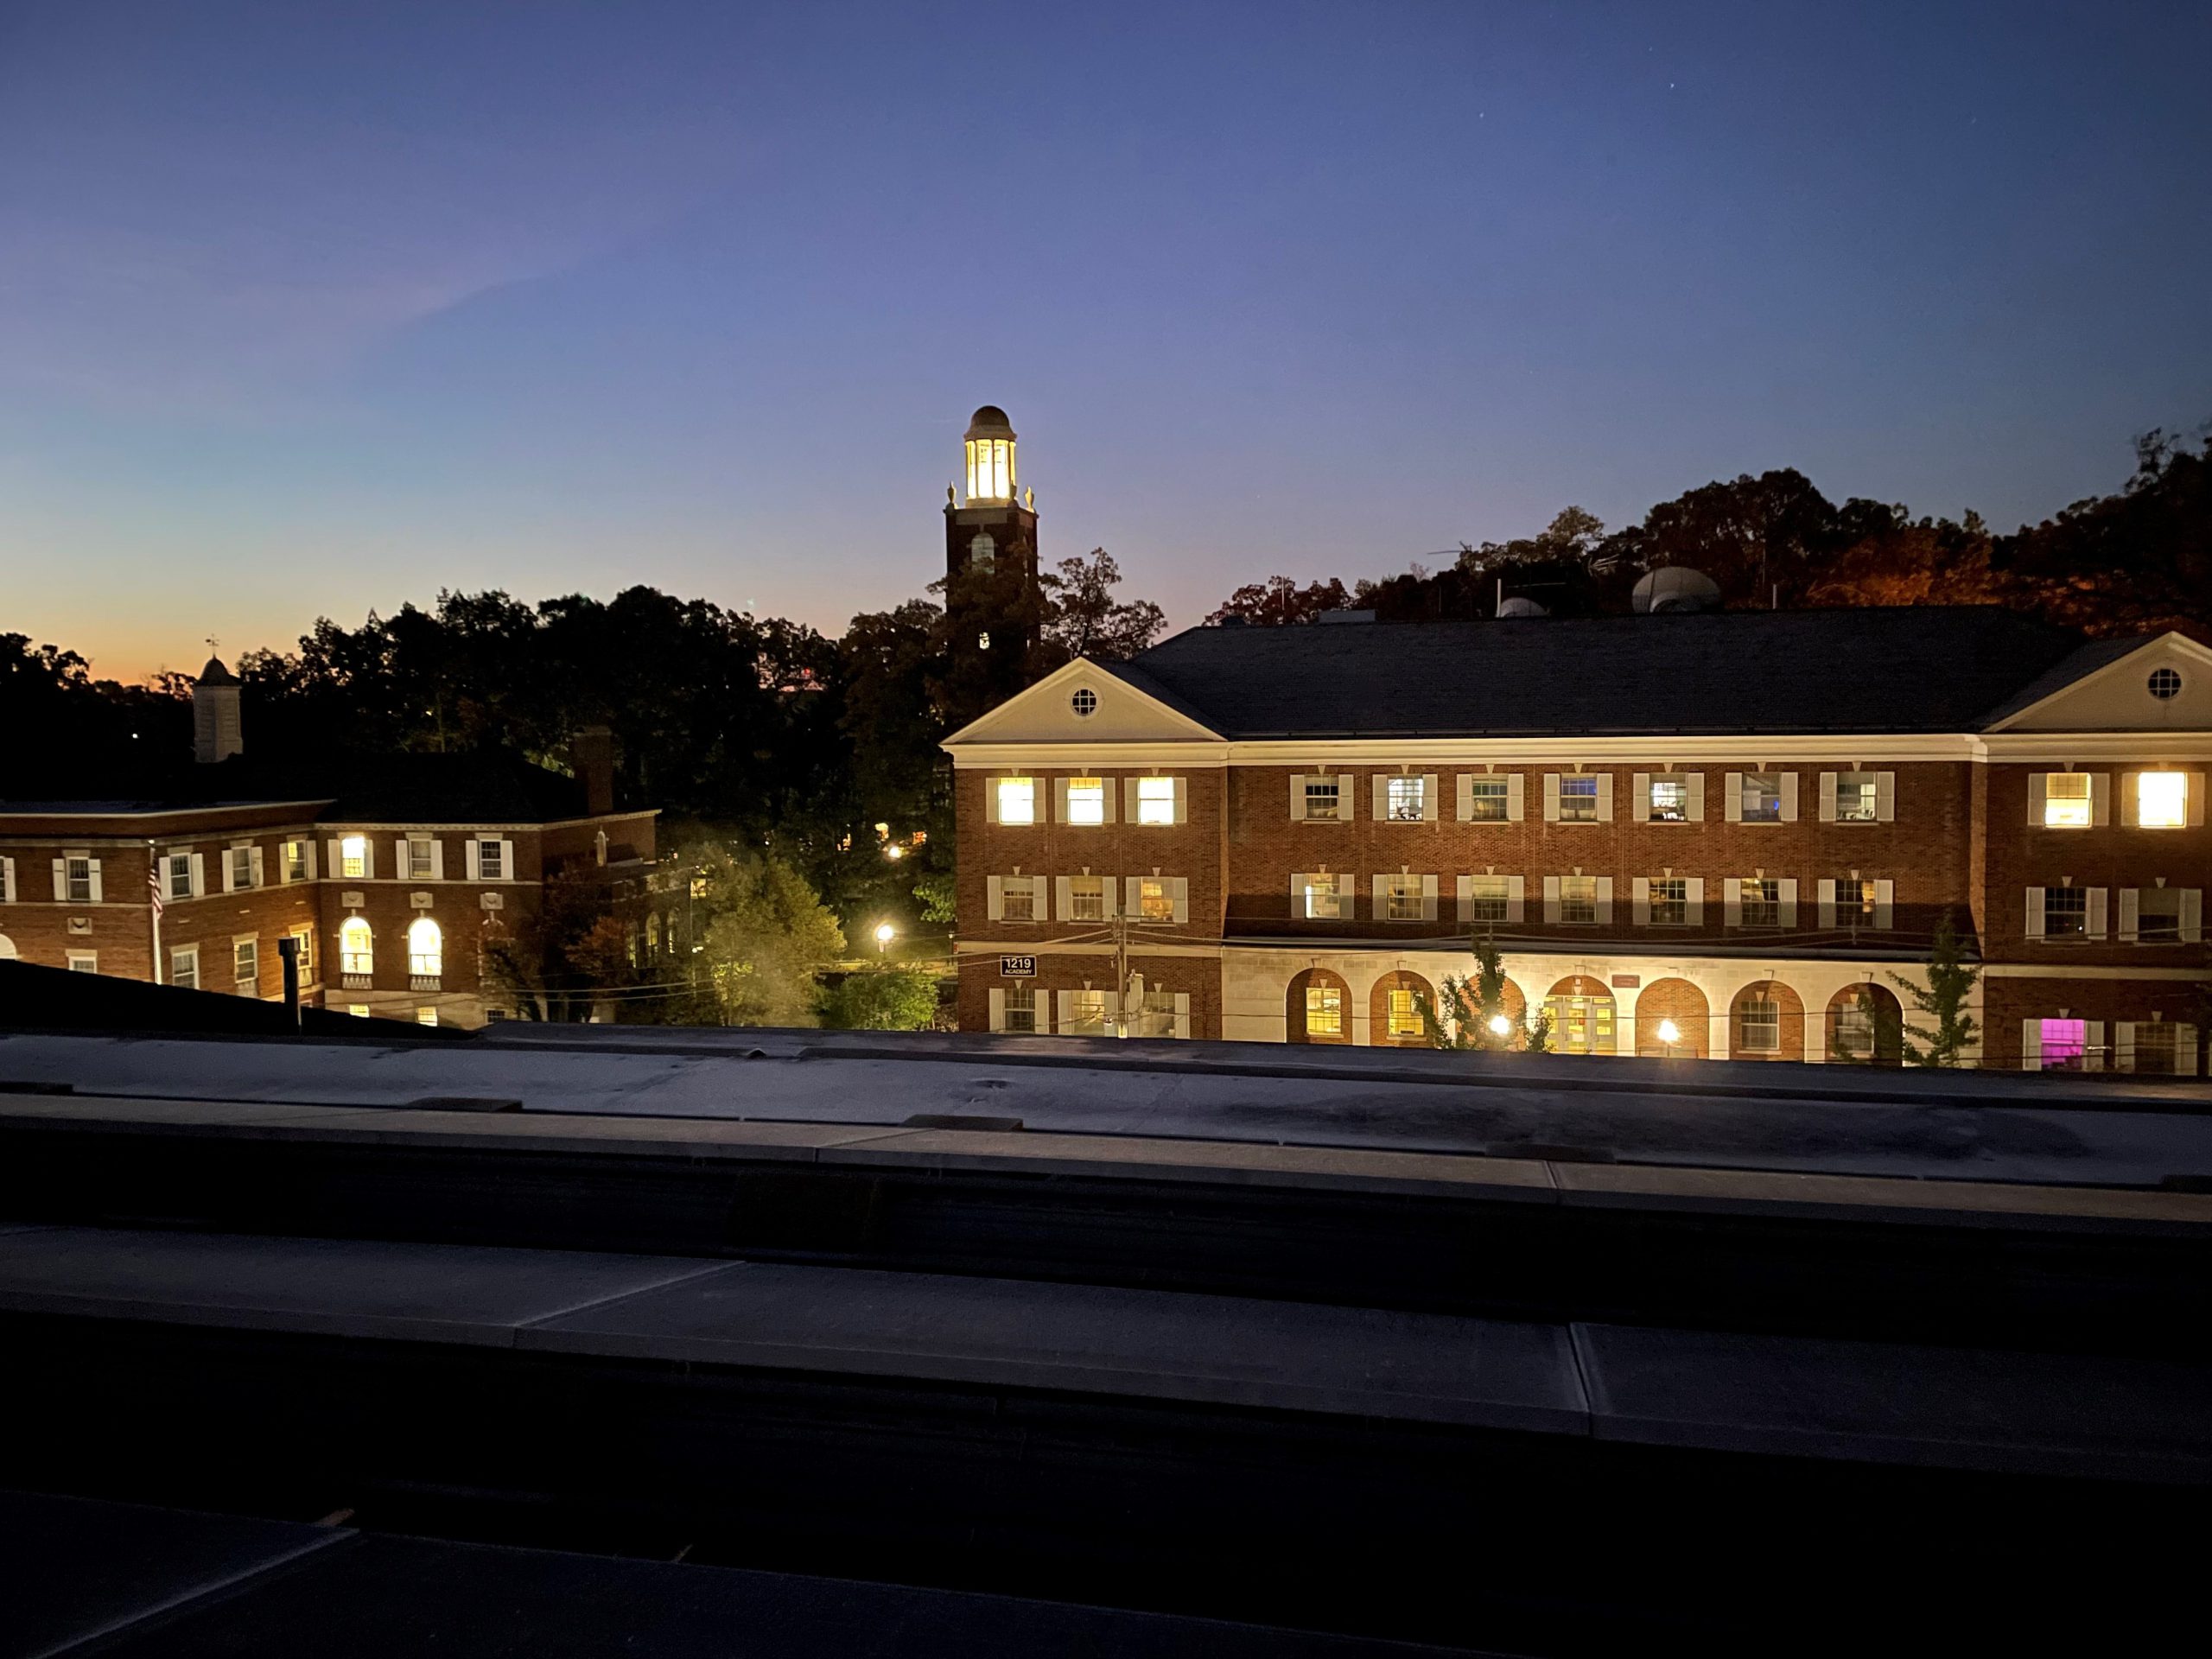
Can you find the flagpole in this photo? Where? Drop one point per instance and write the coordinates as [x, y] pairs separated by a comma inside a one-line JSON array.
[[154, 905]]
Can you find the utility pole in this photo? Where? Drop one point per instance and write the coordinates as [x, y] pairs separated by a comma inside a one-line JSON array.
[[1121, 976]]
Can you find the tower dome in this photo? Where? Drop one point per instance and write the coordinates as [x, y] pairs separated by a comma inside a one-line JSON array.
[[990, 455], [1674, 587]]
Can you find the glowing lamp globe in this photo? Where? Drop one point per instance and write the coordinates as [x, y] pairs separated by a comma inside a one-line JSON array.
[[1669, 1032], [1500, 1025]]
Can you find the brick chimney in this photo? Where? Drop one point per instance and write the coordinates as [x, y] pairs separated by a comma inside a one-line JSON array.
[[591, 757]]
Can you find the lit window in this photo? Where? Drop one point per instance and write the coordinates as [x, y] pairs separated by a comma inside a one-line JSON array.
[[1578, 898], [1762, 797], [2165, 683], [1401, 897], [1323, 902], [1577, 800], [1670, 901], [1087, 898], [491, 861], [425, 949], [1087, 1013], [1758, 1026], [1855, 798], [1408, 800], [982, 642], [1854, 901], [1017, 900], [356, 947], [84, 962], [2065, 1044], [983, 552], [354, 856], [305, 954], [426, 1016], [2162, 799], [246, 964], [1670, 800], [2066, 804], [1084, 703], [1762, 902], [1403, 1018], [418, 860], [1487, 799], [180, 875], [2157, 914], [1155, 800], [1021, 1008], [184, 967], [1017, 800], [358, 1010], [2065, 912], [1086, 800], [295, 860], [1489, 896], [1322, 797], [1155, 899], [1325, 1011], [1854, 1031]]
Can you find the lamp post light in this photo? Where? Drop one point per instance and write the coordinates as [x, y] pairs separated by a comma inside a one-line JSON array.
[[1500, 1025], [884, 934], [1669, 1033]]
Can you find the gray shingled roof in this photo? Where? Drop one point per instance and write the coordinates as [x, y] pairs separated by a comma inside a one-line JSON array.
[[1926, 669]]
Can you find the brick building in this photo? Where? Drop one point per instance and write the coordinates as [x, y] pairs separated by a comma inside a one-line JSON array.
[[390, 873], [1701, 834]]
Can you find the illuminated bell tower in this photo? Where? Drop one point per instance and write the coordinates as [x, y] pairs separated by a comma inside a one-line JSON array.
[[990, 547]]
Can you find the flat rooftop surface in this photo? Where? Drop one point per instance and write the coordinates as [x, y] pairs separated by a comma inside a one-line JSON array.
[[1809, 1119]]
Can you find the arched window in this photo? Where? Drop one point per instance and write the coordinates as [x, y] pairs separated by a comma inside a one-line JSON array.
[[983, 551], [1319, 1008], [356, 947], [1582, 1016], [426, 948]]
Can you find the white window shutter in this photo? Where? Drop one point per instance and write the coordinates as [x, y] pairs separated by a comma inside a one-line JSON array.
[[2196, 800], [2038, 794], [1344, 894], [469, 860], [1179, 887], [1788, 885], [2127, 787], [1065, 1021], [2192, 915], [1129, 800], [990, 809], [1516, 794], [1639, 890], [2031, 1045], [1183, 1015], [1885, 796], [1551, 797], [199, 883], [1789, 798], [2032, 926], [7, 881], [1697, 796], [307, 851], [1828, 798], [994, 901], [437, 860], [1605, 901], [1731, 902], [1428, 898], [1297, 796], [96, 882], [2101, 798], [2130, 906], [2123, 1046], [1064, 898], [1885, 902], [1466, 898], [259, 878], [230, 872], [1347, 796], [2185, 1050], [2093, 1059], [1298, 895], [507, 861], [1731, 791], [1059, 800], [1428, 793], [401, 869], [2097, 912], [1182, 800], [1133, 895], [1824, 896], [1106, 793], [1604, 797], [1466, 792], [1551, 899], [1516, 898], [1379, 787], [1695, 886], [1381, 886], [998, 1008], [337, 858], [1639, 797], [1113, 892]]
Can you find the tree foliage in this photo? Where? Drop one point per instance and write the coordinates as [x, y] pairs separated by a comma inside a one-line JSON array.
[[1948, 1032], [1087, 621], [1280, 602], [882, 999]]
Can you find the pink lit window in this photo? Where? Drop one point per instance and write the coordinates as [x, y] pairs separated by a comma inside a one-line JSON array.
[[2065, 1045]]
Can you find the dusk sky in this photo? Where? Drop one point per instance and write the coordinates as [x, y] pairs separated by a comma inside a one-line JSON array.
[[311, 310]]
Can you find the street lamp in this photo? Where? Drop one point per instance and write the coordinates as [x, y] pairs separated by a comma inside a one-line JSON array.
[[884, 934], [1669, 1033], [894, 851], [1500, 1025]]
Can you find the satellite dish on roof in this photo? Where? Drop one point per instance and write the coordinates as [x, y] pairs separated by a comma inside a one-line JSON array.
[[1674, 587], [1520, 607]]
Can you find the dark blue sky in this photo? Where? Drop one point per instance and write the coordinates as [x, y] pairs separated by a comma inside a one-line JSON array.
[[305, 312]]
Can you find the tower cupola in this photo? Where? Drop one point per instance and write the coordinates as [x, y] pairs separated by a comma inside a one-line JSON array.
[[990, 456]]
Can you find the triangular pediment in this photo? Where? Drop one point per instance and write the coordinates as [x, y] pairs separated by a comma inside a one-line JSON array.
[[1051, 712], [2123, 695]]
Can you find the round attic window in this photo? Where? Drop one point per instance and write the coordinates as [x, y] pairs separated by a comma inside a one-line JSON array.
[[2165, 683], [1084, 703]]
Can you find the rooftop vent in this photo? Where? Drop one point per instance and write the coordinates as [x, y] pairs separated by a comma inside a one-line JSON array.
[[1674, 587]]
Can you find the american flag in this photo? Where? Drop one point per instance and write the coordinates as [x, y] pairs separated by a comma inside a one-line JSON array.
[[154, 885]]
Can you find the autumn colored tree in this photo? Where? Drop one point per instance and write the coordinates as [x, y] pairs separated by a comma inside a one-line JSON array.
[[1280, 602]]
